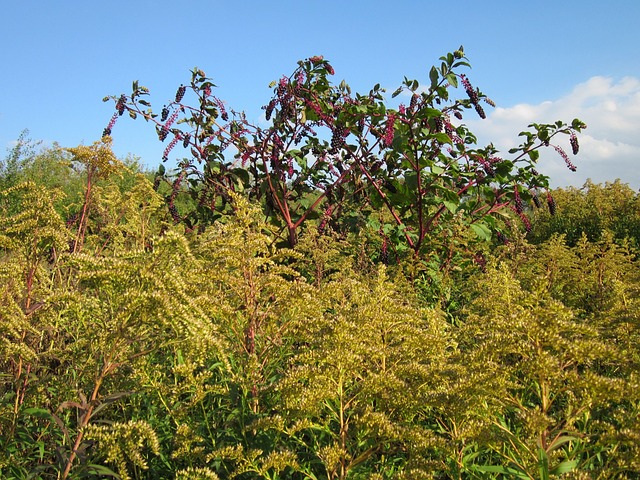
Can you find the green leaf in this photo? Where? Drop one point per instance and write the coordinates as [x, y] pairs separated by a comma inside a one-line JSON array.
[[564, 467], [534, 155], [452, 79], [504, 470], [482, 231], [578, 124], [38, 413], [443, 138], [543, 134], [373, 223], [561, 441], [433, 76], [411, 181], [451, 206], [100, 470]]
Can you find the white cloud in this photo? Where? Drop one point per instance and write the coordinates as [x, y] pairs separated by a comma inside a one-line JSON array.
[[609, 147]]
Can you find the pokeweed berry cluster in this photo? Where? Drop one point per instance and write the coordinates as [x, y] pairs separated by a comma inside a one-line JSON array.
[[337, 138], [536, 199], [269, 109], [180, 93], [518, 203], [551, 203], [564, 155], [472, 93], [169, 147], [389, 130], [573, 140]]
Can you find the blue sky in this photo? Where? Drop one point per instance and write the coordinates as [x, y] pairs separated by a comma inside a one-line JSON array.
[[539, 61]]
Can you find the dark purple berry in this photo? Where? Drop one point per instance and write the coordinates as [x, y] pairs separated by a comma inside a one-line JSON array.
[[471, 92], [414, 101], [337, 139], [120, 105], [551, 204], [269, 109], [162, 133], [174, 213], [575, 147], [536, 200], [165, 114], [180, 93], [518, 204]]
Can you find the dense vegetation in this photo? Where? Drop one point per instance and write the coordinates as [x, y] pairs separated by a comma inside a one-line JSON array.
[[405, 307]]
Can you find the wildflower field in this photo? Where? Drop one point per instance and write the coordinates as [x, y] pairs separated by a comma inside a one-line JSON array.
[[354, 289]]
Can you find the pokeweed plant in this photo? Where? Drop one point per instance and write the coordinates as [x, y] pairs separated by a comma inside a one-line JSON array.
[[330, 155]]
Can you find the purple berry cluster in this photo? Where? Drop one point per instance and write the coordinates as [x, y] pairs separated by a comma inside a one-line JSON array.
[[269, 109], [518, 204], [162, 133], [223, 110], [471, 92], [107, 131], [388, 131], [573, 140], [413, 102], [337, 138], [536, 200], [551, 203], [473, 96], [120, 105], [439, 124], [180, 93], [325, 218], [167, 150], [564, 155]]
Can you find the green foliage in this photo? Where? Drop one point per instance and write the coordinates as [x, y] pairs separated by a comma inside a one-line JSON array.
[[32, 234], [559, 369], [589, 211], [155, 353], [343, 320], [343, 394]]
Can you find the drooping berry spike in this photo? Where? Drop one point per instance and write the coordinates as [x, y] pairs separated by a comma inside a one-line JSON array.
[[180, 93], [573, 140]]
